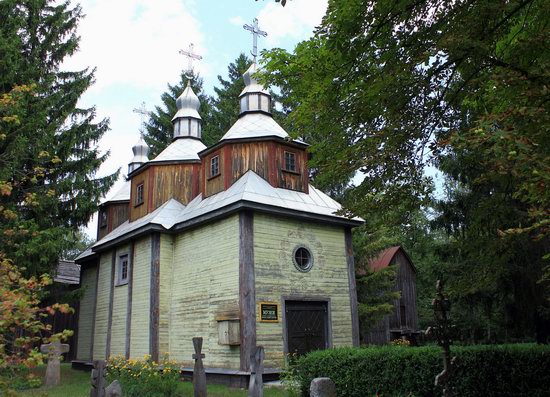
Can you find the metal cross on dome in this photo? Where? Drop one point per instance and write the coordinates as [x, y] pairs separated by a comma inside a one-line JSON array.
[[142, 111], [255, 30], [190, 55]]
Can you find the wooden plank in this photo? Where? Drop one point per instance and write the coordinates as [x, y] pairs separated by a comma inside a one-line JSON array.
[[129, 305], [154, 297], [94, 311], [247, 288], [111, 295], [227, 151], [352, 288]]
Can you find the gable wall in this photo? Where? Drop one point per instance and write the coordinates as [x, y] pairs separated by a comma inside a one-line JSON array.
[[102, 306], [139, 338], [86, 312], [205, 284], [276, 276], [406, 283]]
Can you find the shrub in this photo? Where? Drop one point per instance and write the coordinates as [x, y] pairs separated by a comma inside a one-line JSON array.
[[500, 370], [145, 377]]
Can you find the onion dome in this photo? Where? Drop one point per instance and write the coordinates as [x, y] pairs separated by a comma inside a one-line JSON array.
[[141, 153], [187, 121], [254, 97]]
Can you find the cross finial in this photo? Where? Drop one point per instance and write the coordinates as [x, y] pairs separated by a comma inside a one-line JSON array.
[[190, 55], [142, 111], [255, 30]]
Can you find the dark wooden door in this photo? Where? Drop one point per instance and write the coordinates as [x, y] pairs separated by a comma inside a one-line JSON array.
[[306, 326]]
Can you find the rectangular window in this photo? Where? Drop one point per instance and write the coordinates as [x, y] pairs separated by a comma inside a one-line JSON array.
[[139, 194], [290, 161], [103, 218], [214, 166], [123, 269]]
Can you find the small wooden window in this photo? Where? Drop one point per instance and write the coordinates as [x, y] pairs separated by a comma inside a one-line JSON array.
[[103, 218], [290, 161], [214, 166], [123, 269], [139, 194]]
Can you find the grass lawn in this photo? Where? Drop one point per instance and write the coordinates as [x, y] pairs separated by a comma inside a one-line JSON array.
[[77, 384]]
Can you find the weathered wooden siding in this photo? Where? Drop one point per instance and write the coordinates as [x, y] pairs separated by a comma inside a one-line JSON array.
[[179, 181], [276, 276], [406, 284], [205, 285], [139, 339], [117, 214], [166, 259], [102, 305], [120, 301], [137, 211], [291, 180], [213, 185], [86, 313], [250, 156]]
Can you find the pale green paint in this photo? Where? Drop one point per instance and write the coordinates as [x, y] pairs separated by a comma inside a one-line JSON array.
[[166, 259], [86, 313], [102, 306], [139, 337], [205, 285], [120, 305], [276, 276]]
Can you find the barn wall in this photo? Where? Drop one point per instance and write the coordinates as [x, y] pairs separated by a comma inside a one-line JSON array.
[[102, 305], [139, 338], [205, 285], [86, 313], [166, 259], [274, 241], [406, 283], [120, 305]]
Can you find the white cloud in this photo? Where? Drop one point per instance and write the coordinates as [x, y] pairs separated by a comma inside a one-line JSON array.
[[135, 42], [237, 20], [296, 20]]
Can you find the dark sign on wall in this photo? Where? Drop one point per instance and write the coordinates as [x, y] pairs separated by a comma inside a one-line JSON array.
[[268, 312]]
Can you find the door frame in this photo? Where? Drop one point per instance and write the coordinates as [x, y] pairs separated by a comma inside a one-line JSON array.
[[306, 298]]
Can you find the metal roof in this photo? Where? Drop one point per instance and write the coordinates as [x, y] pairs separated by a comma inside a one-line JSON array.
[[122, 194], [385, 258], [251, 83], [85, 254], [254, 125], [188, 104], [181, 149]]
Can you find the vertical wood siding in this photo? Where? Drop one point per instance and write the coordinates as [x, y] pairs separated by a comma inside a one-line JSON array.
[[276, 276], [139, 339], [215, 184], [179, 181], [102, 306], [86, 315], [117, 214], [406, 284], [120, 301], [205, 285], [137, 212], [166, 258]]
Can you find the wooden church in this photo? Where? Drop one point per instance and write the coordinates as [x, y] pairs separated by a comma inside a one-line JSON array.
[[230, 243]]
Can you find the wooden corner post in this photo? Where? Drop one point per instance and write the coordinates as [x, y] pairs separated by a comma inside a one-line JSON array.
[[247, 288]]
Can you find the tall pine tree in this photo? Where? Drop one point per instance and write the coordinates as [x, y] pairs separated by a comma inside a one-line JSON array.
[[48, 153]]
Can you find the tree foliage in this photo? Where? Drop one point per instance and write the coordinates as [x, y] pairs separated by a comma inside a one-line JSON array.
[[48, 152], [385, 89]]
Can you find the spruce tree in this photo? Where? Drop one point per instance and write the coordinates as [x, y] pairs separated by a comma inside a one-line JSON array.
[[48, 153], [159, 130]]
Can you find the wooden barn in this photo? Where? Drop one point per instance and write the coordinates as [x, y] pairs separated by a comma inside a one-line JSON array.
[[403, 322], [230, 243]]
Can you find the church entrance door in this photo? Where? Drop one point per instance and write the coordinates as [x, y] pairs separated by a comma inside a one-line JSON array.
[[306, 326]]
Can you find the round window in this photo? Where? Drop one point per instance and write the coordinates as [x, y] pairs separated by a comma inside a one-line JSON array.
[[303, 260]]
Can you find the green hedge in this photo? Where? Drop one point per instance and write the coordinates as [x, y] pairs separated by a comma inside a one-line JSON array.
[[498, 370]]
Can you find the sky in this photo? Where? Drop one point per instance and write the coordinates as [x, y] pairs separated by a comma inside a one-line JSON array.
[[134, 46]]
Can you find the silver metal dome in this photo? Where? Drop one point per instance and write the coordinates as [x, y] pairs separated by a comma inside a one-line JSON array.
[[254, 96], [187, 120], [141, 153]]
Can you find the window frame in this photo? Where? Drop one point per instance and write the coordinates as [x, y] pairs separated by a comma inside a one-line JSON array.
[[137, 200], [217, 159], [299, 266], [120, 280], [294, 162]]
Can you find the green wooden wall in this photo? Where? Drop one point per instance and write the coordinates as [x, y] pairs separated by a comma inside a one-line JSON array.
[[139, 338], [276, 276], [205, 285], [120, 306], [102, 306], [166, 260], [86, 313]]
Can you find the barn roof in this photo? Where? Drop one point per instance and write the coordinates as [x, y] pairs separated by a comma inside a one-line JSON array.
[[67, 272], [384, 258]]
